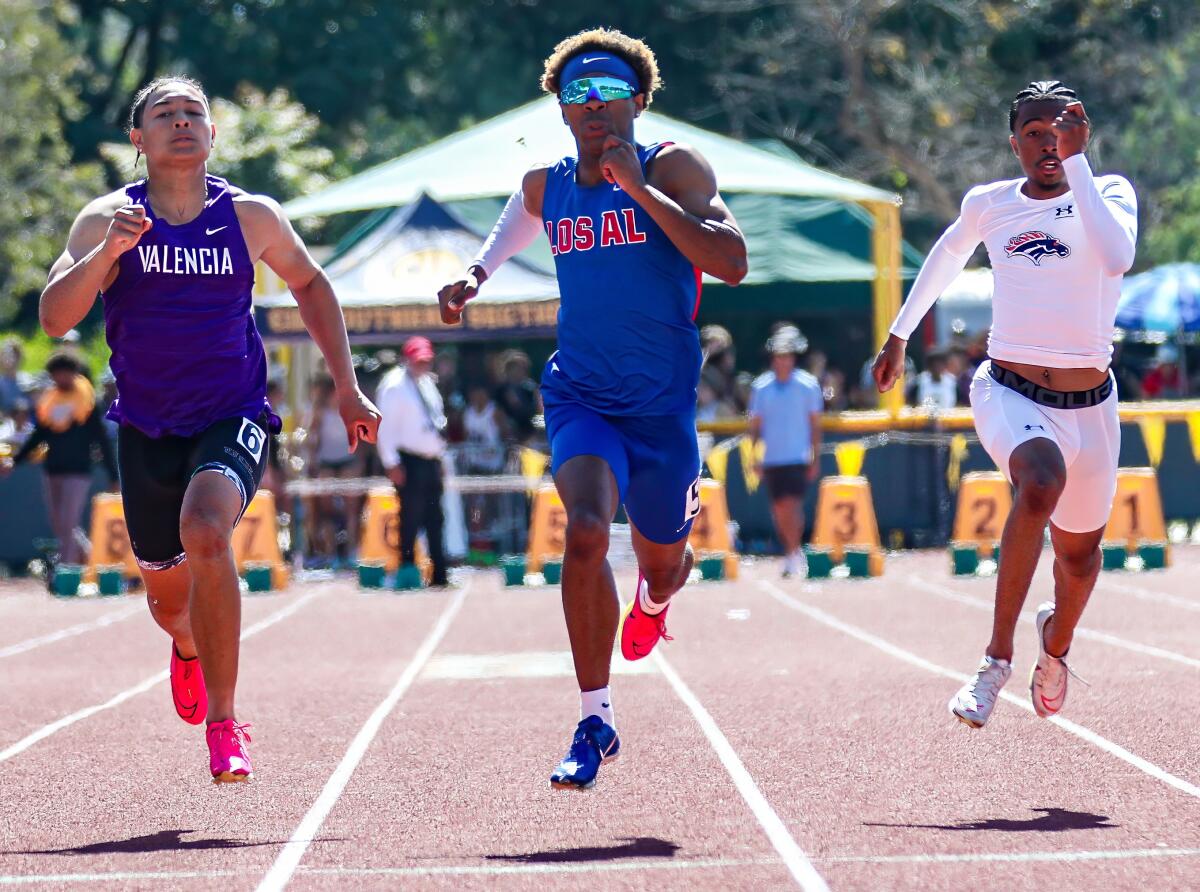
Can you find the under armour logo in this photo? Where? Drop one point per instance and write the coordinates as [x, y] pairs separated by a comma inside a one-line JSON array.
[[1031, 427], [1067, 210]]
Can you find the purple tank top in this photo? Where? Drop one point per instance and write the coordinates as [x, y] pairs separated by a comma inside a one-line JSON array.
[[178, 317]]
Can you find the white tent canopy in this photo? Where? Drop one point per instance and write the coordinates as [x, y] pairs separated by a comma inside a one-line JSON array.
[[489, 160]]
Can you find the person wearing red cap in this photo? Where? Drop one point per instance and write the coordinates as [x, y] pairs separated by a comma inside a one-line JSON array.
[[411, 447]]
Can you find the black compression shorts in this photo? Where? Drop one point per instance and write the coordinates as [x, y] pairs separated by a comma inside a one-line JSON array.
[[155, 472]]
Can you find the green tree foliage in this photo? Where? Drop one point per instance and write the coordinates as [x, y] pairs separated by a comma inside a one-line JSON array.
[[41, 186], [265, 143]]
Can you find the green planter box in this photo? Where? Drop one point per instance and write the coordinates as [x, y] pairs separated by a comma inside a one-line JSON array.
[[110, 580], [370, 575], [1153, 555], [1113, 555], [858, 561], [820, 562], [66, 579], [408, 578], [552, 570], [964, 558], [514, 569], [712, 566], [258, 577]]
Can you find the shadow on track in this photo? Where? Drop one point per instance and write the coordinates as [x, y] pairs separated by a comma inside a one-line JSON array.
[[1051, 820], [632, 847], [163, 841]]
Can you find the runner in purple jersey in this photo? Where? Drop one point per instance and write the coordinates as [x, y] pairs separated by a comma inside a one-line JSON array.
[[173, 258]]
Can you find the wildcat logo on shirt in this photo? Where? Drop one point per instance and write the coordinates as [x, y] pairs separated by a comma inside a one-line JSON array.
[[1036, 245]]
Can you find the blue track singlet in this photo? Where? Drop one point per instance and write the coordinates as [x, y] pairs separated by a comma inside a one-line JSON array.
[[627, 339]]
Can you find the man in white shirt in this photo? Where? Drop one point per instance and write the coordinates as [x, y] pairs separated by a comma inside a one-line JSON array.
[[410, 447], [1045, 403]]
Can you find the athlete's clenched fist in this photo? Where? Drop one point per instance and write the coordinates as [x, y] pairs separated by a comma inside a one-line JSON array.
[[128, 226]]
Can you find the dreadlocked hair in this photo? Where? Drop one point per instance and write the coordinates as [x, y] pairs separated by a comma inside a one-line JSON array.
[[1040, 91], [138, 109], [639, 56]]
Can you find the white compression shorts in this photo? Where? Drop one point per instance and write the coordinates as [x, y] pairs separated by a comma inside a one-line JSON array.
[[1089, 439]]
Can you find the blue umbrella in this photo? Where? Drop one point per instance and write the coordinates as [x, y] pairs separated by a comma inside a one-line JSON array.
[[1164, 299]]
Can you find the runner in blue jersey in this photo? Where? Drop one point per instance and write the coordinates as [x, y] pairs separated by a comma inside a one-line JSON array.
[[632, 228], [173, 258]]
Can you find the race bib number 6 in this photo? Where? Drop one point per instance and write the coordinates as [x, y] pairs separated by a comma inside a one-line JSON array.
[[252, 438]]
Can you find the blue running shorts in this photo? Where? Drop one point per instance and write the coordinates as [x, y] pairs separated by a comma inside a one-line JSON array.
[[655, 459]]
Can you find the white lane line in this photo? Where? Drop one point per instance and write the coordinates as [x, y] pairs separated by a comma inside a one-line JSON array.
[[789, 850], [1018, 857], [70, 632], [1145, 594], [1029, 616], [899, 653], [141, 687], [501, 869], [604, 867], [293, 851], [60, 879]]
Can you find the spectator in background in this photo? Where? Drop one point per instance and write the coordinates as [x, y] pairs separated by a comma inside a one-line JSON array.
[[785, 412], [832, 381], [937, 387], [411, 446], [517, 394], [485, 429], [13, 382], [275, 474], [1164, 381], [68, 422], [330, 458], [719, 371], [17, 426]]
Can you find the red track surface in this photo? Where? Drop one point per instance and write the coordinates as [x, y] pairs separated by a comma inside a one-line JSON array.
[[405, 741]]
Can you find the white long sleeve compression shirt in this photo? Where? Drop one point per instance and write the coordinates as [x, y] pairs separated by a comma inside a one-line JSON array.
[[1057, 265]]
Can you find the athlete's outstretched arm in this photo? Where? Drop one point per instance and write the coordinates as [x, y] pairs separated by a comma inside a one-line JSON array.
[[947, 258], [519, 225], [266, 225], [99, 236], [682, 198]]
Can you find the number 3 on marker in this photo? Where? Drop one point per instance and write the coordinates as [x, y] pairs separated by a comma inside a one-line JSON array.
[[252, 437]]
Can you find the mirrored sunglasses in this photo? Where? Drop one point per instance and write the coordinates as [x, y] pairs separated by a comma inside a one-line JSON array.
[[588, 89]]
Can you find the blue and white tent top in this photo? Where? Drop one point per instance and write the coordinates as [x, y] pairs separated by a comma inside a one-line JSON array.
[[387, 283], [1163, 299]]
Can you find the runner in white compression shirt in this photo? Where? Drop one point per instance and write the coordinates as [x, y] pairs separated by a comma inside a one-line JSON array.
[[1045, 404], [1057, 265]]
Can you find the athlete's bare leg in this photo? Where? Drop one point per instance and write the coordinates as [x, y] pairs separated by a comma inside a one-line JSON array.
[[788, 514], [589, 493], [666, 567], [1038, 474], [168, 594], [1076, 565], [210, 511]]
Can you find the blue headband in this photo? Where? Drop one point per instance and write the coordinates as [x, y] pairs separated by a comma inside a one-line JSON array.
[[599, 62]]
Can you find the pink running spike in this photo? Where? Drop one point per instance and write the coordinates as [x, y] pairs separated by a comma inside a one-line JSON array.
[[228, 759]]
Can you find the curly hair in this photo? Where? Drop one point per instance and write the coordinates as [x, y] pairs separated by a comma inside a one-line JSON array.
[[639, 56]]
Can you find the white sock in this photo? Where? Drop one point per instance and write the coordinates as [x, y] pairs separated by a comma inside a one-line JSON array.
[[597, 702], [649, 607]]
